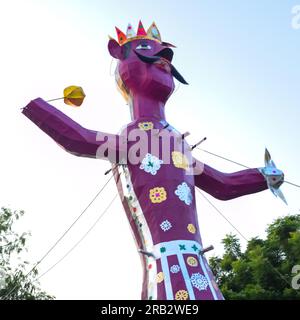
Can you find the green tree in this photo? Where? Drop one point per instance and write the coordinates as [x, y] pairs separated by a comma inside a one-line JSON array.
[[264, 269], [14, 284]]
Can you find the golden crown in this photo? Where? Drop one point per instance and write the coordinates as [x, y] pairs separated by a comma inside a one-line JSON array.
[[151, 34]]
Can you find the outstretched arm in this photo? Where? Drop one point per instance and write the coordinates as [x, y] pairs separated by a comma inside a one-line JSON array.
[[226, 186], [70, 135]]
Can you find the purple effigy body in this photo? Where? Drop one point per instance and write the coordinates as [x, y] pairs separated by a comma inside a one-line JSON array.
[[156, 184]]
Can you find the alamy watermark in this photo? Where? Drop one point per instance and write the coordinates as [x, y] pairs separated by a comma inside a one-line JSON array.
[[2, 279], [296, 17], [296, 278], [135, 146]]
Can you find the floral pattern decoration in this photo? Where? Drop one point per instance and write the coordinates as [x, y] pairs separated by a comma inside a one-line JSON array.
[[180, 160], [181, 295], [151, 164], [165, 225], [160, 277], [158, 195], [184, 193], [191, 228], [191, 261], [175, 268], [199, 281], [146, 125]]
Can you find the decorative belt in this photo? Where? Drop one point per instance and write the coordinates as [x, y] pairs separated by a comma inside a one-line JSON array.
[[180, 247], [175, 247]]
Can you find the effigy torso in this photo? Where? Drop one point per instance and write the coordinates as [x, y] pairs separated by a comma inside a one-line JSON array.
[[158, 195]]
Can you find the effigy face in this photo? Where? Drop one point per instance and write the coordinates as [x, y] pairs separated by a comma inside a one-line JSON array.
[[153, 78]]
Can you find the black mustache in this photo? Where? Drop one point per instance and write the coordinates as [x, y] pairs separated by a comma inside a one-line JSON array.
[[147, 59], [152, 59], [177, 75]]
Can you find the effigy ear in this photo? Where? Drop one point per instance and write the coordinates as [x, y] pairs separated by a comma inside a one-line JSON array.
[[115, 49]]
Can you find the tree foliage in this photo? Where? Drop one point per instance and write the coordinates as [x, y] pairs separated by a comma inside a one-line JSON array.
[[14, 282], [264, 269]]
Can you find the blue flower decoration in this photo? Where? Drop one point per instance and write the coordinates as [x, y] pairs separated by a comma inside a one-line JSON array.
[[151, 164], [184, 193]]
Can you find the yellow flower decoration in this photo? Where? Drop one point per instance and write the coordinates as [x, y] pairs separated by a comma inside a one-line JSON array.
[[180, 160], [191, 228], [181, 295], [191, 261], [146, 126], [158, 195], [160, 277]]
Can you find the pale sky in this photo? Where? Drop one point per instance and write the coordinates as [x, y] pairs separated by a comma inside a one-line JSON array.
[[241, 59]]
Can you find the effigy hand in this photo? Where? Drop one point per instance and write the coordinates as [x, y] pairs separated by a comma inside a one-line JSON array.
[[274, 177]]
